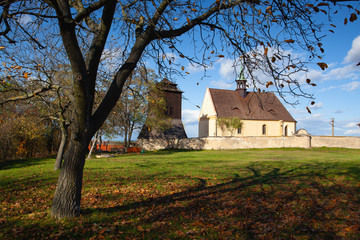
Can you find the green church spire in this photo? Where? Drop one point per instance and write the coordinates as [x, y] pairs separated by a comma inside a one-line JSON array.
[[241, 75]]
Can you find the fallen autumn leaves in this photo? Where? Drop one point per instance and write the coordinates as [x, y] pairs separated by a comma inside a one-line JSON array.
[[277, 200]]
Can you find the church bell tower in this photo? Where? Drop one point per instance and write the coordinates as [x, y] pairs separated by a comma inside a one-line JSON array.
[[172, 97], [241, 84]]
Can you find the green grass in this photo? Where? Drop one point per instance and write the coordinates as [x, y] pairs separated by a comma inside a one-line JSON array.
[[235, 194]]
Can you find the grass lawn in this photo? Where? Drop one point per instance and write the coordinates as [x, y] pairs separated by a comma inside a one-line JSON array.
[[237, 194]]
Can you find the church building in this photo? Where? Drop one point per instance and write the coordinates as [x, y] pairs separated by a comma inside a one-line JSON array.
[[261, 113]]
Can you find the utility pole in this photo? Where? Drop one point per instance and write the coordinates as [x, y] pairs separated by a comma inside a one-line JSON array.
[[332, 123]]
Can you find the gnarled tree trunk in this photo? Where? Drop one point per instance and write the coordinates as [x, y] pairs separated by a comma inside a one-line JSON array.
[[67, 197]]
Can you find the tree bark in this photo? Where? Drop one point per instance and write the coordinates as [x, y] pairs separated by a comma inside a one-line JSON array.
[[61, 150], [67, 197]]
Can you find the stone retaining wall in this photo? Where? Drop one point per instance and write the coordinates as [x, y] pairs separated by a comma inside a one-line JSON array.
[[338, 142], [218, 143]]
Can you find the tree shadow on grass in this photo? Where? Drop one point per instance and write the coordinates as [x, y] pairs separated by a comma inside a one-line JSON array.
[[20, 163], [201, 190], [354, 172], [271, 203]]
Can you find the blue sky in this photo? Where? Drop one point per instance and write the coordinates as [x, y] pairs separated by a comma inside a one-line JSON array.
[[337, 92]]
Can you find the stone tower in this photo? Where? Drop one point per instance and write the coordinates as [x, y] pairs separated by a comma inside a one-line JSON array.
[[173, 97]]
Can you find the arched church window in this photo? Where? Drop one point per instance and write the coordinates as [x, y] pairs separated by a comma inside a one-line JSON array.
[[264, 129]]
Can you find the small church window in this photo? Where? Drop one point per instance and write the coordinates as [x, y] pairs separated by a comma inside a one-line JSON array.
[[239, 130], [264, 129], [286, 130]]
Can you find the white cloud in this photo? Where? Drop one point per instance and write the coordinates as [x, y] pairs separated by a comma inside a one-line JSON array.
[[190, 119], [351, 125], [314, 75], [317, 124], [221, 84], [337, 71], [191, 130], [171, 56], [314, 125], [350, 72], [352, 132], [193, 68], [311, 116], [227, 69], [190, 116], [345, 72], [353, 55], [296, 111], [317, 115], [351, 86], [110, 58], [317, 105], [25, 19]]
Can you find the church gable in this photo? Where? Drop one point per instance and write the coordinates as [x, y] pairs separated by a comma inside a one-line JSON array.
[[207, 108]]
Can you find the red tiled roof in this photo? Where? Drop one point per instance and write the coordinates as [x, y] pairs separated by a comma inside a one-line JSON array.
[[255, 106]]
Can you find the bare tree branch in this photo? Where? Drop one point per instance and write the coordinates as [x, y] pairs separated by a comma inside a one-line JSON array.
[[30, 95], [85, 12]]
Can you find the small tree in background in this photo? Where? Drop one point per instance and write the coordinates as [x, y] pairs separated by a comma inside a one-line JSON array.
[[131, 110], [41, 81], [157, 120], [230, 124], [21, 138]]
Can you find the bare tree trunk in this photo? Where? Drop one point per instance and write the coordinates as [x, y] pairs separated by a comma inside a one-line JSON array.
[[61, 150], [100, 143], [131, 128], [67, 197], [93, 144], [125, 139], [106, 146], [129, 139]]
